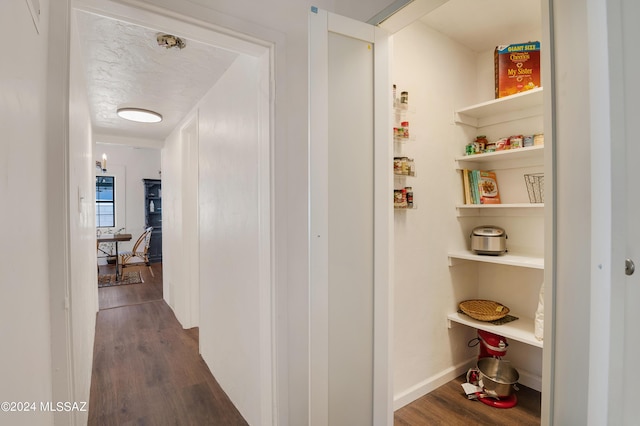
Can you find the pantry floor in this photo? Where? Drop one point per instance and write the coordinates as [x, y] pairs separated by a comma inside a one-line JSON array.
[[449, 406]]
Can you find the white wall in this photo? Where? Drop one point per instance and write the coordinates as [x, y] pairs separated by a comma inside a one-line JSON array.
[[24, 301], [83, 284], [176, 289], [190, 213], [228, 183], [229, 228], [172, 240], [180, 221], [129, 165], [424, 348]]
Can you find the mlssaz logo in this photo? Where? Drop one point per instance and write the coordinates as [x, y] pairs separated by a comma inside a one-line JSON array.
[[63, 406]]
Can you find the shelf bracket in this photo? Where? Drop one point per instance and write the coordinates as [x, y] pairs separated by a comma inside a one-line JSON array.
[[465, 119], [454, 262]]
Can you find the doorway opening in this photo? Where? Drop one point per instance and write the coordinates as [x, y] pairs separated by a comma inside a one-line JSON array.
[[216, 162]]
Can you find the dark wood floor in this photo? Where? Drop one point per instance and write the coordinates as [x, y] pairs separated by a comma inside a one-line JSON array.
[[123, 295], [146, 368], [147, 371], [449, 406]]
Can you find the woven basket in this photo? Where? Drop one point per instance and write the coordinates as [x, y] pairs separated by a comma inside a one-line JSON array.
[[484, 310]]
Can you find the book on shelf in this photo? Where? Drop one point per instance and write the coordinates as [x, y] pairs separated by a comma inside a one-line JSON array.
[[474, 187], [480, 187], [466, 187], [488, 188]]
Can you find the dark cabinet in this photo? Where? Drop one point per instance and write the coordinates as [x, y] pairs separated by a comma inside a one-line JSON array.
[[153, 216]]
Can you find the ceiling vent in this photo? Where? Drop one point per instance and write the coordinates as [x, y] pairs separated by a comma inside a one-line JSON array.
[[169, 41]]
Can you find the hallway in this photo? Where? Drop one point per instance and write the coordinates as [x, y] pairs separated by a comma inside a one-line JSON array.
[[146, 368]]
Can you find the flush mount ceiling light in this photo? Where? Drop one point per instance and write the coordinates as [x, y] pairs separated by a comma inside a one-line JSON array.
[[139, 115]]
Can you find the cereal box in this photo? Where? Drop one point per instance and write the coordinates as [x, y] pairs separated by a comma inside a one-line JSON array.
[[517, 68]]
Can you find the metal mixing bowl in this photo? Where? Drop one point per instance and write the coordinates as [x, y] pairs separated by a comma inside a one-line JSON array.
[[497, 376]]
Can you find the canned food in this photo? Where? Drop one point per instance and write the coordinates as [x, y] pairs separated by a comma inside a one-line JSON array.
[[399, 198], [405, 129], [481, 143], [538, 139], [409, 196], [502, 144], [411, 166], [515, 141], [404, 164], [470, 149], [397, 165]]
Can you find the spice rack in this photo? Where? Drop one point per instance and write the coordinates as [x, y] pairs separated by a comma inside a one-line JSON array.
[[403, 166]]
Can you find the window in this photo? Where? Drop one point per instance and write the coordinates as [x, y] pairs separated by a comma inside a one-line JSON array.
[[105, 202]]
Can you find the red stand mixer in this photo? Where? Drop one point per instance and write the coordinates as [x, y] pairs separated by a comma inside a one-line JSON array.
[[491, 346]]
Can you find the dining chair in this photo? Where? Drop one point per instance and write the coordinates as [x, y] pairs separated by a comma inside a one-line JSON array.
[[139, 255]]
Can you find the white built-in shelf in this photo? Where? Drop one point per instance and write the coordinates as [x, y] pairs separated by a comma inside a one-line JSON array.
[[401, 139], [501, 206], [400, 209], [398, 175], [515, 209], [517, 157], [521, 330], [509, 108], [509, 259], [404, 108]]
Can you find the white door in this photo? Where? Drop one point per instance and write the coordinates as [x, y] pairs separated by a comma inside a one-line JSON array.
[[615, 296], [350, 212]]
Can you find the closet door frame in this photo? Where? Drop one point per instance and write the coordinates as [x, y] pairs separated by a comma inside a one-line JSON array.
[[321, 23]]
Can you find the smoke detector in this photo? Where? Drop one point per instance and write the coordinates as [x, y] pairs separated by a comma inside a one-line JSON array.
[[169, 41]]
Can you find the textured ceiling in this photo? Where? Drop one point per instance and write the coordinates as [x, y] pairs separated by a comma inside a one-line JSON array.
[[481, 25], [124, 66]]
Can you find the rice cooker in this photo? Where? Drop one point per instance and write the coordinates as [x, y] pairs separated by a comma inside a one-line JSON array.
[[488, 240]]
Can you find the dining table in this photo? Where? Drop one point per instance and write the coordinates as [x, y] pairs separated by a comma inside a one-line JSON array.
[[114, 238]]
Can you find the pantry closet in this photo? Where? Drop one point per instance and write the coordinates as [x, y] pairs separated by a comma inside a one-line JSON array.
[[445, 64]]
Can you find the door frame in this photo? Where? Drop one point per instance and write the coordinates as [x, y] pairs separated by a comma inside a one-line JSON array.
[[243, 37], [608, 366], [321, 23]]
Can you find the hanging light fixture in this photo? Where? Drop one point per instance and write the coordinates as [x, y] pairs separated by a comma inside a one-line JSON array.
[[139, 115], [102, 165]]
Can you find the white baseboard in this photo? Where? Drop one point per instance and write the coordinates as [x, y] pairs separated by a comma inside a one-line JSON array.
[[408, 396], [530, 380], [432, 383]]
